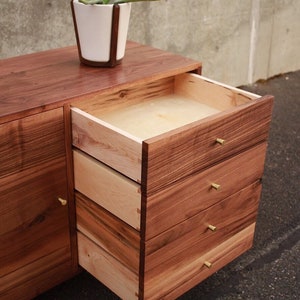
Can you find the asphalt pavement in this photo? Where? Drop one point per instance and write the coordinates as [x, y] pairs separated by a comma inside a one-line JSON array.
[[271, 269]]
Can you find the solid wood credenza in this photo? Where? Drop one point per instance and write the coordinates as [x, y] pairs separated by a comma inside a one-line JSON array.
[[147, 175]]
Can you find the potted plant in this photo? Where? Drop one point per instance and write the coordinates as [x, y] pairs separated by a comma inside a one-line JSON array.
[[101, 28]]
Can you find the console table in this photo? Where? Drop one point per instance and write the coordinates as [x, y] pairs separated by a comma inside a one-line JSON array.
[[147, 174]]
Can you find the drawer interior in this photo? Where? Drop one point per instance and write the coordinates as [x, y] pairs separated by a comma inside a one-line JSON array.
[[158, 115], [154, 108], [184, 114]]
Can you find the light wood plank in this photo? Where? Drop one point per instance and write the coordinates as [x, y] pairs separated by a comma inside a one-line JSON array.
[[99, 105], [210, 92], [108, 144], [107, 269], [108, 232], [108, 188]]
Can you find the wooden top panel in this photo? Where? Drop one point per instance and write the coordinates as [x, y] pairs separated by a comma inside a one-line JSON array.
[[46, 80]]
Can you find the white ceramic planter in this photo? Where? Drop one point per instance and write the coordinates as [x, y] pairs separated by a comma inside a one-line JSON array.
[[94, 32]]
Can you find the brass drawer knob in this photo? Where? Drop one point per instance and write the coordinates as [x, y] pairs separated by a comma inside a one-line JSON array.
[[208, 264], [220, 141], [62, 201], [212, 227], [215, 186]]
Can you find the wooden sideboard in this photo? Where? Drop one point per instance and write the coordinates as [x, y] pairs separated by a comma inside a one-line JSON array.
[[195, 186]]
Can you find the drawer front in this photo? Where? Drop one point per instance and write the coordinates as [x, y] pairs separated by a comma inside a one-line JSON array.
[[203, 231], [108, 188], [188, 271], [108, 232], [107, 269], [194, 194], [194, 147]]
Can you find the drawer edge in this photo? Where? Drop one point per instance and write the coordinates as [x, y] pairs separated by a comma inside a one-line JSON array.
[[115, 148], [107, 231], [107, 269], [114, 192]]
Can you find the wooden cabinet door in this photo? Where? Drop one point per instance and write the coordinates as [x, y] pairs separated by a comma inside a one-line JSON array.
[[35, 251], [31, 141]]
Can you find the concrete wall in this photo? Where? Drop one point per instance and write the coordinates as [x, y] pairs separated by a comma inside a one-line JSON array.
[[238, 41]]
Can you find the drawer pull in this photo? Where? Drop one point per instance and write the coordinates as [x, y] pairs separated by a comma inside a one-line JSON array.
[[220, 141], [208, 264], [212, 227], [62, 201], [216, 186]]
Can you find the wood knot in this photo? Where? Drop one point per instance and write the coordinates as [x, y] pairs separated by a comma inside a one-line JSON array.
[[123, 94]]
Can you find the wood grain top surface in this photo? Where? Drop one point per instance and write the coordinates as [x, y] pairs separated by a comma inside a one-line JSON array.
[[45, 80]]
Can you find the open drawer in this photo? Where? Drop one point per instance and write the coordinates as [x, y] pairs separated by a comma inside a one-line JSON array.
[[159, 132]]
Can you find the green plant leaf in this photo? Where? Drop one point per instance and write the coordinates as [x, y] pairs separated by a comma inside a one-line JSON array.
[[93, 1], [126, 1]]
